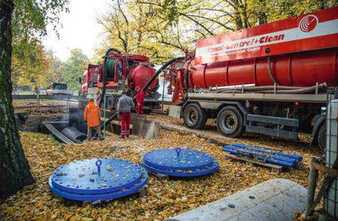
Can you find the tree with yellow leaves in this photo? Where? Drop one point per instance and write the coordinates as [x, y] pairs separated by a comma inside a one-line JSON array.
[[163, 29], [30, 20]]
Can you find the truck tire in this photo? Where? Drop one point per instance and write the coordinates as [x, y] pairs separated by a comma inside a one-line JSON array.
[[194, 116], [321, 137], [230, 122]]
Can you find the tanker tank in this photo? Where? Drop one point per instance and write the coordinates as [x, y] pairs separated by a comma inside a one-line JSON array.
[[139, 77], [300, 51]]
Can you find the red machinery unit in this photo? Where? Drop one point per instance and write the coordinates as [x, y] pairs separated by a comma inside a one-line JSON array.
[[119, 72], [90, 77], [135, 70], [140, 75], [117, 67], [298, 51]]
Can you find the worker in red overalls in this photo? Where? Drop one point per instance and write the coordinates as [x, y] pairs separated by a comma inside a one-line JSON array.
[[139, 101], [124, 106]]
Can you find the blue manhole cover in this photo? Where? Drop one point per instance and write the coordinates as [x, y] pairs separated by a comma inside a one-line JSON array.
[[97, 179], [180, 162]]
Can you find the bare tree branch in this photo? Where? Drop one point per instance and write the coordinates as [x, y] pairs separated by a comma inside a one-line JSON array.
[[197, 22], [212, 20]]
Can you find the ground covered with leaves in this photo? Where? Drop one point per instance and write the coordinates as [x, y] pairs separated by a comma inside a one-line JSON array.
[[163, 198]]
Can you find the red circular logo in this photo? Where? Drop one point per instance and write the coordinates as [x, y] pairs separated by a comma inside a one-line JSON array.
[[308, 23]]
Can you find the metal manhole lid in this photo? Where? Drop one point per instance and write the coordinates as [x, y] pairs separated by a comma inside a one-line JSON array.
[[97, 177], [180, 161]]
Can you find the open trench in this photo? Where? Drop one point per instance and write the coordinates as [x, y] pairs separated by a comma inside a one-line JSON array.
[[65, 122]]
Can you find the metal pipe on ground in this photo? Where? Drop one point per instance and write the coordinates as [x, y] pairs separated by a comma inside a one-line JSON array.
[[51, 127], [74, 134]]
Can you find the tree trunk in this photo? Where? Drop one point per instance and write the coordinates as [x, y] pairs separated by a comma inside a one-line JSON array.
[[237, 15], [14, 168]]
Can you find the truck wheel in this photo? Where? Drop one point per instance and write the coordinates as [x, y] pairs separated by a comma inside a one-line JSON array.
[[321, 137], [230, 122], [194, 116]]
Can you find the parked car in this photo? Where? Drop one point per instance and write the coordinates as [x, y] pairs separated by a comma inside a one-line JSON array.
[[58, 89]]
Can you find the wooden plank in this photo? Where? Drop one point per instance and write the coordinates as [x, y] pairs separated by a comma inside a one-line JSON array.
[[256, 162]]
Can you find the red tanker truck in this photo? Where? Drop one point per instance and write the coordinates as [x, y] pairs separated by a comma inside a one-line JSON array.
[[118, 72], [272, 79]]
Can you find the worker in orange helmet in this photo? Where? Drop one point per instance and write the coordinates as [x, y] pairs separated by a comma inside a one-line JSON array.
[[93, 118], [124, 106], [139, 100]]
